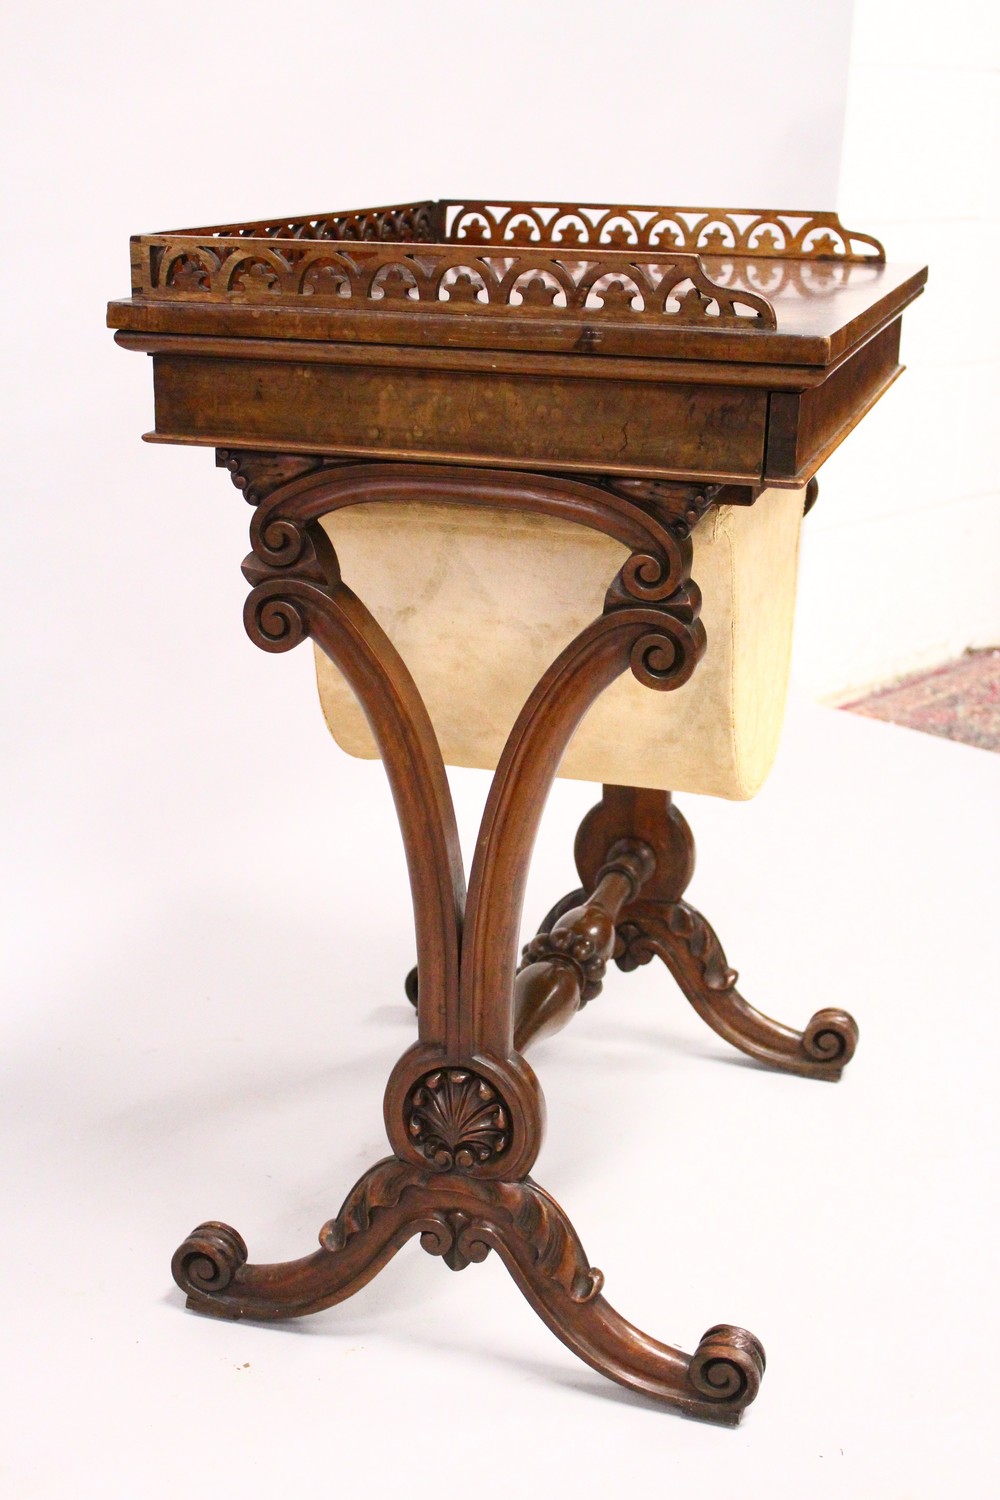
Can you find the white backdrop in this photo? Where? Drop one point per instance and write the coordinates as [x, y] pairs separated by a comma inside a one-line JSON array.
[[122, 594], [910, 504], [201, 1004]]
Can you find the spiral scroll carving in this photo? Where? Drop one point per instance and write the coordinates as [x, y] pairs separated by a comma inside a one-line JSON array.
[[462, 1238], [633, 946], [457, 1238], [658, 579], [728, 1365], [285, 544], [664, 658], [831, 1037], [274, 621], [209, 1259], [665, 655], [649, 578], [277, 540]]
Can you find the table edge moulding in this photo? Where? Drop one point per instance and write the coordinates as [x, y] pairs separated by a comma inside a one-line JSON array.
[[630, 371]]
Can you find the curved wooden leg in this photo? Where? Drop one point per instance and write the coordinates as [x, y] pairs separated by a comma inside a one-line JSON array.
[[462, 1218], [211, 1265], [463, 1110], [659, 923], [540, 1248], [684, 940], [411, 986]]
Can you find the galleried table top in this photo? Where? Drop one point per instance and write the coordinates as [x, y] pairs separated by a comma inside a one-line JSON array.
[[765, 286], [727, 346]]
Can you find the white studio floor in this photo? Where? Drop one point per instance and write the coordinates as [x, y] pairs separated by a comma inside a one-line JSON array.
[[205, 1001]]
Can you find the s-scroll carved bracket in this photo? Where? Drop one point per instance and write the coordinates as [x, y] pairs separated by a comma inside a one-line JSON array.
[[297, 592]]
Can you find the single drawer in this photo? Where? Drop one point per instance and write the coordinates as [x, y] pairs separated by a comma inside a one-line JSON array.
[[545, 421]]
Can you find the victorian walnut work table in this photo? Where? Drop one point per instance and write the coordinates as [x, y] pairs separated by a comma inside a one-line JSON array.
[[563, 453]]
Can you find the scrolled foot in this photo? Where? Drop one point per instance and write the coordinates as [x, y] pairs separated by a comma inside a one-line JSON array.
[[461, 1218], [208, 1259], [379, 1215], [728, 1365], [831, 1037], [540, 1248]]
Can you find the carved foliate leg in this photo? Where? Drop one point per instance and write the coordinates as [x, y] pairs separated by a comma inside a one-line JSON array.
[[660, 924], [683, 939], [463, 1110], [461, 1218]]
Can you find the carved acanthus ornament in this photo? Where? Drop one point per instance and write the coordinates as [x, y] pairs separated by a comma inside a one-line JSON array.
[[476, 1216], [461, 1219], [690, 928], [257, 474], [679, 506], [679, 935]]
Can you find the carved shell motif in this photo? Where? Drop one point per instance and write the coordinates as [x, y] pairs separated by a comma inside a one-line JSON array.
[[457, 1120]]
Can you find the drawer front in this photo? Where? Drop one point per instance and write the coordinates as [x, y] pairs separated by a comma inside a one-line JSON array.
[[536, 421]]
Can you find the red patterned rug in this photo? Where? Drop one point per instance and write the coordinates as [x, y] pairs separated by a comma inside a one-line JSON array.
[[960, 701]]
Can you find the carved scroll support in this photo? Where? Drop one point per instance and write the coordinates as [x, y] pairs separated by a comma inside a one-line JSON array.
[[305, 597], [463, 1110], [461, 1219], [467, 959], [659, 923]]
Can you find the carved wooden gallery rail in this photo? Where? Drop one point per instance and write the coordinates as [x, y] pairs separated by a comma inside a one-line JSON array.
[[632, 263], [626, 369]]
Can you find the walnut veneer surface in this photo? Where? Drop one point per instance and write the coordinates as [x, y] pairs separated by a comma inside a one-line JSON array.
[[641, 374], [380, 339]]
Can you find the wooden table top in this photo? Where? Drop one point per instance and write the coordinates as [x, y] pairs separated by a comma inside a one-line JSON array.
[[390, 306]]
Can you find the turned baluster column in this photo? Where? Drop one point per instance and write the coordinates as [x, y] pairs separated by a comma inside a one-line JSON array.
[[563, 968]]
